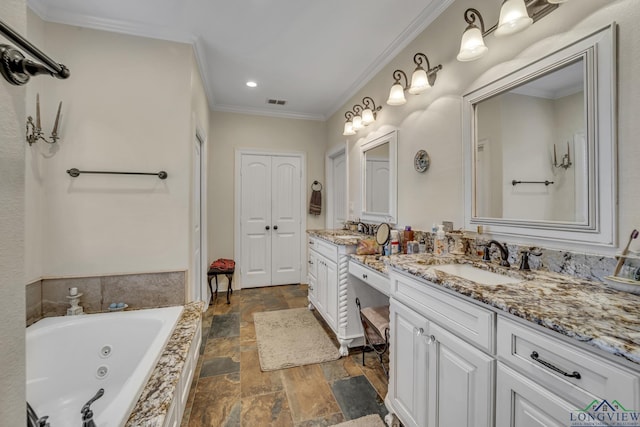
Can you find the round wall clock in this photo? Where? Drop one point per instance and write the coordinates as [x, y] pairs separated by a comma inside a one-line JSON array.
[[421, 161]]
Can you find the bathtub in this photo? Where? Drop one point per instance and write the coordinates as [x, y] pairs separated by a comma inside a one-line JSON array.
[[70, 358]]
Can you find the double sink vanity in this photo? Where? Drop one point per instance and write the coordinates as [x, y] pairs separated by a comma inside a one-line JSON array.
[[474, 343]]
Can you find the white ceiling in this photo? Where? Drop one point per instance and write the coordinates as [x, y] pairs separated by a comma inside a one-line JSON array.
[[313, 54]]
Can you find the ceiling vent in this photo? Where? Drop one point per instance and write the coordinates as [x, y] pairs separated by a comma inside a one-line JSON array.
[[276, 101]]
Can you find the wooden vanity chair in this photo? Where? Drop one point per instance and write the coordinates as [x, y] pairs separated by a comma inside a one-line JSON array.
[[375, 323]]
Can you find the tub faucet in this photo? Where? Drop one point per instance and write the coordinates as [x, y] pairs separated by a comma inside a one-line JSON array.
[[87, 413], [33, 420], [504, 254]]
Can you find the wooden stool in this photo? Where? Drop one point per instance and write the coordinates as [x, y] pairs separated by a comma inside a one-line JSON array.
[[221, 266], [375, 323]]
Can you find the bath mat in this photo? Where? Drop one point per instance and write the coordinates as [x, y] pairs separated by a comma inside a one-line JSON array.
[[368, 421], [288, 338]]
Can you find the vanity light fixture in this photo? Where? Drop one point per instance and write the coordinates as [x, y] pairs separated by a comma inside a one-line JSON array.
[[515, 16], [360, 116], [348, 125], [421, 80], [357, 117], [370, 110], [396, 94]]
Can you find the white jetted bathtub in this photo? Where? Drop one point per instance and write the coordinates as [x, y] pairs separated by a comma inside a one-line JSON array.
[[70, 358]]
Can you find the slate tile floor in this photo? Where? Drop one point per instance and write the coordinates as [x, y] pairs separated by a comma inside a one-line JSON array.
[[230, 390]]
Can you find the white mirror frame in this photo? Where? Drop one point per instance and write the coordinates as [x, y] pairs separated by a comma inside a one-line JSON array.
[[391, 216], [599, 51]]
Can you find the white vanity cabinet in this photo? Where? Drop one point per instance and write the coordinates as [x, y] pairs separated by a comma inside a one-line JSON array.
[[543, 380], [327, 277], [441, 371]]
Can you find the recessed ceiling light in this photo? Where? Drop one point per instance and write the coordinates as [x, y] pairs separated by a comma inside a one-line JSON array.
[[252, 84]]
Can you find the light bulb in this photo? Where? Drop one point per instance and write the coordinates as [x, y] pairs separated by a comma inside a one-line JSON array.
[[367, 117], [419, 81], [513, 18], [348, 129], [472, 45], [396, 95]]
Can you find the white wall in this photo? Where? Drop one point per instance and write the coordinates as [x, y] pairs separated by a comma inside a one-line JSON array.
[[432, 121], [126, 107], [230, 131], [12, 211]]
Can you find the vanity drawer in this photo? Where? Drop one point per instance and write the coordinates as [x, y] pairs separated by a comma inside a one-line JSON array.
[[372, 277], [467, 320], [599, 377], [327, 249]]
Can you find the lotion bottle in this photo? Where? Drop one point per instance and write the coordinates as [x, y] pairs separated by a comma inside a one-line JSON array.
[[440, 246]]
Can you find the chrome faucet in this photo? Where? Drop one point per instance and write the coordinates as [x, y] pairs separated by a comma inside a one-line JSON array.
[[33, 420], [366, 228], [87, 413], [504, 254]]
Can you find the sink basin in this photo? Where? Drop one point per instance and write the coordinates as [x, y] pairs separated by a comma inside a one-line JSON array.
[[475, 274], [348, 237]]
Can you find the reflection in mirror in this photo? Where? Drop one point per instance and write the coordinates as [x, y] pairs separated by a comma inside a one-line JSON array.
[[535, 133], [379, 188], [377, 176], [540, 149]]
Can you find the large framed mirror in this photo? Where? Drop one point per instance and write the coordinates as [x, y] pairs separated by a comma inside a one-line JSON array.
[[540, 147], [379, 178]]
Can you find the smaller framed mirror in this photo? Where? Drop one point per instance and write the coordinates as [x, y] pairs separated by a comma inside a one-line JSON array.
[[379, 178]]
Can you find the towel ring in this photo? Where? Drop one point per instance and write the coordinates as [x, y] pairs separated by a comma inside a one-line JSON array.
[[315, 183]]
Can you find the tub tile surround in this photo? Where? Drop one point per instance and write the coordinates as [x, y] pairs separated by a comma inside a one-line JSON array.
[[155, 400], [47, 297], [577, 308]]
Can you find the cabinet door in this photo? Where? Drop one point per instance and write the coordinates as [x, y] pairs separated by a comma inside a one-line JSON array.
[[460, 382], [321, 284], [331, 302], [409, 359], [521, 402]]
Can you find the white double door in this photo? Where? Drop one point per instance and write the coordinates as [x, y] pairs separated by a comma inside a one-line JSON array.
[[270, 220]]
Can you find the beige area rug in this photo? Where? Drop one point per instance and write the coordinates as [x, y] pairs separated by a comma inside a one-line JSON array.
[[368, 421], [294, 337]]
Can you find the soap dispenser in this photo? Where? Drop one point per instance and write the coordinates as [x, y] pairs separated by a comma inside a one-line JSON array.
[[440, 246]]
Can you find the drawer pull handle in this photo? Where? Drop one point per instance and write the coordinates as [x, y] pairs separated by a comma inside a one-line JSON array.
[[534, 356]]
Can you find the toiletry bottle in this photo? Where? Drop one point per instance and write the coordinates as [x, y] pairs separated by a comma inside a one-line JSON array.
[[422, 246], [440, 246], [395, 242], [406, 238]]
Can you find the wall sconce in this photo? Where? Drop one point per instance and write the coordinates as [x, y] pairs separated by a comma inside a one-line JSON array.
[[565, 162], [348, 125], [515, 16], [360, 116], [34, 130], [370, 110], [421, 80]]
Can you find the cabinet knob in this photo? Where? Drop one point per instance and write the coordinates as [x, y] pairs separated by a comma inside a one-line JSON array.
[[267, 227], [364, 276], [275, 227], [430, 339], [418, 331], [310, 262]]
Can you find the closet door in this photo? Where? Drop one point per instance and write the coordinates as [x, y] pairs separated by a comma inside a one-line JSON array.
[[270, 220], [255, 220], [286, 221]]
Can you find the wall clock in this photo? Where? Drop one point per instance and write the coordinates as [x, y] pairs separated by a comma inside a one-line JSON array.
[[421, 161]]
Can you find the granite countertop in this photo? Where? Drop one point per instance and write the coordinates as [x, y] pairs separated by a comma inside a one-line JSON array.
[[580, 309], [339, 237], [155, 400]]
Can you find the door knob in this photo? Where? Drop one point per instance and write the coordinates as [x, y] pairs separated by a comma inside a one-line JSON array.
[[267, 227], [275, 227]]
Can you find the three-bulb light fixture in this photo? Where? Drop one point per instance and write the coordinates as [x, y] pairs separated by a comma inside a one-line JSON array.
[[421, 80], [515, 16], [361, 116]]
